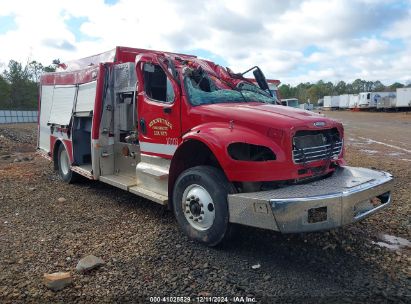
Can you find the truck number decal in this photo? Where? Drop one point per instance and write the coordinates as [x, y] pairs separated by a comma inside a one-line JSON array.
[[172, 141]]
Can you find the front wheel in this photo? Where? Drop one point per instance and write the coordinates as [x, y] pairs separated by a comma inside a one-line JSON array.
[[200, 204]]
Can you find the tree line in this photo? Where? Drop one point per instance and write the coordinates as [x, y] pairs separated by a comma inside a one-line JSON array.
[[314, 91], [19, 84]]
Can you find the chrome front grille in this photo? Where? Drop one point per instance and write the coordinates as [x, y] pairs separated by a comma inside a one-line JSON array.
[[316, 153], [309, 146]]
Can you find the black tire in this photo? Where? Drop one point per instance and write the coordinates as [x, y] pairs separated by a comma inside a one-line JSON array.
[[64, 170], [218, 187]]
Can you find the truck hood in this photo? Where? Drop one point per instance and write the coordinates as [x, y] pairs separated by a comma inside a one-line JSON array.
[[261, 114]]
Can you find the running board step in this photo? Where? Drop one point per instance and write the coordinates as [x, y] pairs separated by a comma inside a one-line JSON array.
[[120, 181], [150, 195], [84, 170], [152, 173], [155, 160]]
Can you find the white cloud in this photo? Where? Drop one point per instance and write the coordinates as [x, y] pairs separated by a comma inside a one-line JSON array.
[[400, 28], [351, 39]]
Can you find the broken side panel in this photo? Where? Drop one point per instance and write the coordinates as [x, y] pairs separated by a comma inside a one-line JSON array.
[[62, 108], [83, 63], [86, 96]]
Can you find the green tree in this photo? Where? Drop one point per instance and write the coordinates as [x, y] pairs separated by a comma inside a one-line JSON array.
[[314, 93], [19, 85], [341, 88], [286, 91], [368, 86], [378, 86], [35, 69], [301, 91], [4, 93], [358, 86], [395, 86], [23, 90], [49, 69]]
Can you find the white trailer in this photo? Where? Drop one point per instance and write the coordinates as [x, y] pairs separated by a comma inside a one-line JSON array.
[[403, 98], [353, 102], [344, 101], [376, 97], [327, 102], [387, 101], [335, 102], [371, 99], [364, 100], [331, 102], [320, 102]]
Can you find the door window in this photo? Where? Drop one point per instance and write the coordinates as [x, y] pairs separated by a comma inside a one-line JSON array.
[[156, 84]]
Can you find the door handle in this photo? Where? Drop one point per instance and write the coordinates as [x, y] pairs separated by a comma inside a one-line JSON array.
[[143, 126], [167, 110]]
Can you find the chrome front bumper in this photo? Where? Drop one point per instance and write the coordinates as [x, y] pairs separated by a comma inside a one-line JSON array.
[[349, 195]]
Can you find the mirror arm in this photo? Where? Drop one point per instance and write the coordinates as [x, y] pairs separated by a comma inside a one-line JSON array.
[[254, 67]]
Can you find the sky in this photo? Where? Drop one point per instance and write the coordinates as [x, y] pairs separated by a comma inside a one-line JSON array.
[[293, 41]]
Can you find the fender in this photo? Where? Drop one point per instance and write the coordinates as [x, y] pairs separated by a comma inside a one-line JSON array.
[[218, 136], [65, 142]]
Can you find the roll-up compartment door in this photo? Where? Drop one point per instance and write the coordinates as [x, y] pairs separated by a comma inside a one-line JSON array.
[[45, 108], [86, 96], [62, 108]]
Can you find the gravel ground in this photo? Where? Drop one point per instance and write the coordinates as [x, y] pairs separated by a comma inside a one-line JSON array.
[[147, 256]]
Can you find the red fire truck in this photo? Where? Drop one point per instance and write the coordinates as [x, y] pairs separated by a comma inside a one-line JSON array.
[[210, 144]]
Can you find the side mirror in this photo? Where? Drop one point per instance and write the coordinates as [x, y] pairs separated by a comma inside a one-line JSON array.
[[260, 78]]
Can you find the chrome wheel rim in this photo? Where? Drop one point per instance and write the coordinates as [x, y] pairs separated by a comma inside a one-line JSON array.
[[64, 162], [198, 207]]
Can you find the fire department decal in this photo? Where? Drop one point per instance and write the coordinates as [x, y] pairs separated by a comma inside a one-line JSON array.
[[160, 126]]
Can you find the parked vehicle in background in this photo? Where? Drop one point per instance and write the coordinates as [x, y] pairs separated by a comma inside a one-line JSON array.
[[307, 106], [364, 100], [191, 135], [290, 102], [403, 98], [344, 101], [327, 102], [369, 100], [353, 101], [331, 102], [335, 102], [387, 102], [273, 85]]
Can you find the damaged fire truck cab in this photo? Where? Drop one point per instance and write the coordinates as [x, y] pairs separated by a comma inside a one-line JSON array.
[[210, 144]]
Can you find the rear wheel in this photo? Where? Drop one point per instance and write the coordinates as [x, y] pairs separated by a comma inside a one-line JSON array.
[[64, 166], [200, 204]]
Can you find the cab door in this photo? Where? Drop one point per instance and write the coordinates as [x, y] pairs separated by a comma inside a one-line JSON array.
[[158, 107]]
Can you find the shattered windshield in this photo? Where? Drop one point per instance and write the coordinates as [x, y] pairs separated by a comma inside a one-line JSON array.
[[203, 89], [199, 96], [254, 93]]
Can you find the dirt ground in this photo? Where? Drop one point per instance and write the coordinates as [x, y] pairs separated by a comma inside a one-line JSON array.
[[147, 256]]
